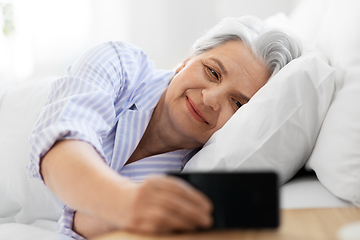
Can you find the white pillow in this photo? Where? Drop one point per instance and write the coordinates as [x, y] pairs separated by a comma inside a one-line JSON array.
[[278, 127], [22, 199], [336, 156]]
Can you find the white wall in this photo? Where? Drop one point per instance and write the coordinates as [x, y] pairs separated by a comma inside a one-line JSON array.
[[50, 34]]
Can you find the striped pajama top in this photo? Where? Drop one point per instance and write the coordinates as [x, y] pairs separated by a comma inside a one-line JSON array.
[[106, 98]]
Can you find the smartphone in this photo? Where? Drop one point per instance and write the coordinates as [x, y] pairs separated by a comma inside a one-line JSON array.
[[241, 199]]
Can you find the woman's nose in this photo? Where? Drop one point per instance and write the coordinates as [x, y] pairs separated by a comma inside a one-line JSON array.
[[212, 97]]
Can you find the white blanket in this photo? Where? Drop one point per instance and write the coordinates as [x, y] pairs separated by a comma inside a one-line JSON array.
[[18, 231], [24, 203]]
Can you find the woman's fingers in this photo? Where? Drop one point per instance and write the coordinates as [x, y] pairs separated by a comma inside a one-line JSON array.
[[165, 204], [157, 220], [180, 208], [185, 201], [186, 191]]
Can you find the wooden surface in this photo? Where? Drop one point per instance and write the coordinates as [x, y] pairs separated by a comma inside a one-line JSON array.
[[322, 223]]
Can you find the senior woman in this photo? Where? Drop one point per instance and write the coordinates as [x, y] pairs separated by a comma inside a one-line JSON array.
[[114, 119]]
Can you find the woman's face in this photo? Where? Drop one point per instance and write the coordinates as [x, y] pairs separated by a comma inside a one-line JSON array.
[[209, 88]]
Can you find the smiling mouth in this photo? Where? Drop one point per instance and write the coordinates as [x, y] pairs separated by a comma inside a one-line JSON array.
[[194, 111]]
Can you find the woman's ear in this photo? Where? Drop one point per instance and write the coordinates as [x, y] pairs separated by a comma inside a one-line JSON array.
[[183, 64]]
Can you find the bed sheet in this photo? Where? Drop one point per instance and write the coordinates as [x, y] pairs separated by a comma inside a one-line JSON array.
[[38, 230], [308, 192]]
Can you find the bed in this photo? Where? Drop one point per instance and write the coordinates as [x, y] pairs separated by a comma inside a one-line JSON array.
[[315, 148]]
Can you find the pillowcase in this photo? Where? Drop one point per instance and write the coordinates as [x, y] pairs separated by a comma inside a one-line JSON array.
[[336, 156], [23, 200], [277, 129]]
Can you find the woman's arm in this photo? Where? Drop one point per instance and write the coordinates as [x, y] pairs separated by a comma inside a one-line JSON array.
[[77, 174]]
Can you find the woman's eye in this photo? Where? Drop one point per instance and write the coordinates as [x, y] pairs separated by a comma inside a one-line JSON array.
[[238, 104], [213, 72]]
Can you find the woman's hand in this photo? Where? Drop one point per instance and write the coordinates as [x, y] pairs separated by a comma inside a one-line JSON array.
[[164, 204], [76, 173], [159, 205]]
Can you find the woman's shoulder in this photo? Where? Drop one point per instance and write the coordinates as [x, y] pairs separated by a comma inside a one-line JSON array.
[[124, 50], [118, 62], [113, 53], [129, 58]]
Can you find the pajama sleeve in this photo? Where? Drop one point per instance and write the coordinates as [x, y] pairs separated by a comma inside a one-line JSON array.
[[85, 104]]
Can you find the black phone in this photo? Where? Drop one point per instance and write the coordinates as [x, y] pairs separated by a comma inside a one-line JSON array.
[[241, 199]]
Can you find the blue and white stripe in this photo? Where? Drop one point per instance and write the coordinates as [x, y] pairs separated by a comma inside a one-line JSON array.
[[106, 98]]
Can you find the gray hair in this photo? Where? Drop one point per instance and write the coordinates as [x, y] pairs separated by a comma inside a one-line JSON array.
[[275, 48]]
